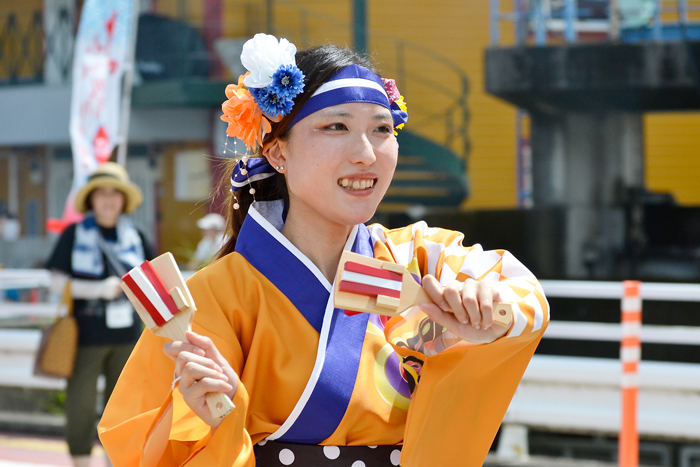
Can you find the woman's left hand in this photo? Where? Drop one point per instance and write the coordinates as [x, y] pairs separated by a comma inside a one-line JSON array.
[[465, 309]]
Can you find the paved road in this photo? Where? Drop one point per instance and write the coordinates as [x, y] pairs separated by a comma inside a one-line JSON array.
[[46, 451], [35, 451]]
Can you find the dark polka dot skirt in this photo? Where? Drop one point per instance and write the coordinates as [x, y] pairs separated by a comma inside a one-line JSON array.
[[274, 453]]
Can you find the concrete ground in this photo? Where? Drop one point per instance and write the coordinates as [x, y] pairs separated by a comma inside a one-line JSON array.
[[40, 451], [539, 461], [21, 450]]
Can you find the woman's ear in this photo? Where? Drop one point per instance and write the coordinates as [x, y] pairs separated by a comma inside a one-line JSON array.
[[275, 152]]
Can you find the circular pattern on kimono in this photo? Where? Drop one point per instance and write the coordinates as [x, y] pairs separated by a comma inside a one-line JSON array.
[[358, 464], [395, 457], [388, 380], [331, 452], [262, 442], [286, 457]]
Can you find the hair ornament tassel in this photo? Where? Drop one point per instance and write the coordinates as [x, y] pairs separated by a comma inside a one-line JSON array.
[[253, 170], [247, 171]]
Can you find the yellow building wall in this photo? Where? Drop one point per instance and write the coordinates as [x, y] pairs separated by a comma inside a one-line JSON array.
[[672, 155], [191, 10], [22, 44], [456, 29], [310, 22], [459, 30]]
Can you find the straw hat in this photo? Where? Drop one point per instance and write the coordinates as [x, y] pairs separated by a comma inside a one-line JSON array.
[[112, 175]]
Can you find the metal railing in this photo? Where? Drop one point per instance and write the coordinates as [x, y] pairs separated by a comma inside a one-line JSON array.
[[654, 291], [539, 22], [557, 393], [583, 394]]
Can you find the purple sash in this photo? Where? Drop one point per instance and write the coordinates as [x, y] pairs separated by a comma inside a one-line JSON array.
[[326, 406]]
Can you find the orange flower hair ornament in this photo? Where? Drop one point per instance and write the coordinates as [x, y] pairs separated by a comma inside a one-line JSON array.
[[245, 119]]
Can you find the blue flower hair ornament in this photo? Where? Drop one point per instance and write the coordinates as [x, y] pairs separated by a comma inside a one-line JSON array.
[[274, 80]]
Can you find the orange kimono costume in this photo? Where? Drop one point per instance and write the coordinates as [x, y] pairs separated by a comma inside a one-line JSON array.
[[404, 390]]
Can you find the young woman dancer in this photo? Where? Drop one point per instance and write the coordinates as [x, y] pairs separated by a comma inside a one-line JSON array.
[[312, 385]]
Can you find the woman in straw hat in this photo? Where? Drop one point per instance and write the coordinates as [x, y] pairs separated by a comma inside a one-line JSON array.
[[93, 254], [312, 385]]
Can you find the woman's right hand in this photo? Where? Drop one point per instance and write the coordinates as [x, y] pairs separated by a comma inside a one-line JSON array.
[[112, 288], [202, 369]]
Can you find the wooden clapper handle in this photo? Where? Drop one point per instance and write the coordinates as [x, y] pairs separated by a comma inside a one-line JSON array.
[[175, 328]]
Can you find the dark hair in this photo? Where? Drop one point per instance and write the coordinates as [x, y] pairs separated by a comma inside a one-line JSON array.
[[318, 64]]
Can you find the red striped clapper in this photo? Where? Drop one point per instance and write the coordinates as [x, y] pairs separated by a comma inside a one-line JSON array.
[[164, 303], [370, 285]]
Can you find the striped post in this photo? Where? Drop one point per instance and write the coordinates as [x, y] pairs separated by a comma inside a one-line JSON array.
[[630, 354]]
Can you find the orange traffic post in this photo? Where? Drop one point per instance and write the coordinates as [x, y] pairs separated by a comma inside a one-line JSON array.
[[630, 354]]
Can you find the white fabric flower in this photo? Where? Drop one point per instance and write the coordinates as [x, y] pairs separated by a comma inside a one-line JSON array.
[[263, 55]]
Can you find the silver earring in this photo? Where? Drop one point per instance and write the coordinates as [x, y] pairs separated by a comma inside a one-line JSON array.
[[281, 167]]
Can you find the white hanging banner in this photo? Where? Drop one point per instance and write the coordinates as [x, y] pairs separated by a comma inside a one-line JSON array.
[[101, 50]]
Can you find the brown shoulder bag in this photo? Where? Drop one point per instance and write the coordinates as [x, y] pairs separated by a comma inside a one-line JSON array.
[[59, 342]]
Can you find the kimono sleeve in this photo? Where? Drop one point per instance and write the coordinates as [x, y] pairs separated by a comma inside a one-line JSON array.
[[463, 391], [145, 424]]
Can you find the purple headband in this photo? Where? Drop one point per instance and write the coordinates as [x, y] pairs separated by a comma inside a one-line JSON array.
[[354, 83]]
